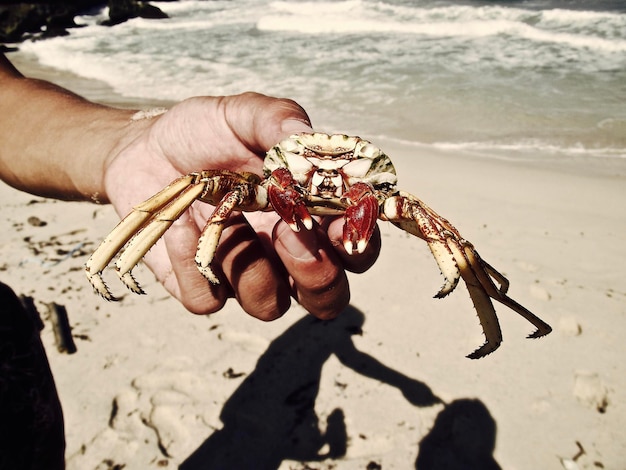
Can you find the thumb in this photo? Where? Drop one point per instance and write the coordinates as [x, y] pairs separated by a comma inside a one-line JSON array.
[[270, 120], [294, 126]]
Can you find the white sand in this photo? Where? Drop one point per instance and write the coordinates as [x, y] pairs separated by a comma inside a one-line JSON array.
[[150, 383]]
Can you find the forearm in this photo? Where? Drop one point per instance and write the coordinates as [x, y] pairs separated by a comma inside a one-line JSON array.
[[55, 143]]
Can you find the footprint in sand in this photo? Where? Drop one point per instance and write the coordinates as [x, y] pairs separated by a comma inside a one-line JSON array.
[[590, 391], [569, 326], [165, 405], [528, 267], [539, 292]]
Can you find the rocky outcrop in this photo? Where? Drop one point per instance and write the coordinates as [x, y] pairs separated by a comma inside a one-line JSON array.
[[122, 10], [41, 19]]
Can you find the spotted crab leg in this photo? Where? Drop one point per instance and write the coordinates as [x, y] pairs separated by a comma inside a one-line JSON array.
[[457, 259], [141, 243], [480, 296], [487, 274], [126, 230], [413, 216], [148, 221], [210, 237]]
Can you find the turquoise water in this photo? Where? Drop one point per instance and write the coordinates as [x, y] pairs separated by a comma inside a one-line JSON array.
[[518, 79]]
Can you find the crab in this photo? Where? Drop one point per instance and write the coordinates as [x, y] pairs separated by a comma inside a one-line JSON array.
[[312, 174]]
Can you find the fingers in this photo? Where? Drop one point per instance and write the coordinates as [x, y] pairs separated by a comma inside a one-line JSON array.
[[184, 281], [241, 264], [316, 262], [309, 266], [318, 279], [258, 284]]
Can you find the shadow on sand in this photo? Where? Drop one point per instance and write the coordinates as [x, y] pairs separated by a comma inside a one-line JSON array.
[[463, 438], [271, 416]]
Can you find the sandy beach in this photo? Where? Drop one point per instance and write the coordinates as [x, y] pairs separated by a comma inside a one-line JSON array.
[[152, 386]]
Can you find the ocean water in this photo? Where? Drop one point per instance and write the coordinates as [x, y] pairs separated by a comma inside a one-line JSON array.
[[521, 79]]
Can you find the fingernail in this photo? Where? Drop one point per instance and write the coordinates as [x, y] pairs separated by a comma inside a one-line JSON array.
[[294, 126], [300, 245]]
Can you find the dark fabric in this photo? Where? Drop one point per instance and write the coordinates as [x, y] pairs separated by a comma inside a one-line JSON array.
[[31, 420]]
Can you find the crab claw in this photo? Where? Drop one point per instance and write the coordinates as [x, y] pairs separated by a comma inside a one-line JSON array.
[[360, 217], [287, 201]]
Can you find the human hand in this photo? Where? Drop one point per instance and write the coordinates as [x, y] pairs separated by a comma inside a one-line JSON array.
[[261, 261], [418, 393]]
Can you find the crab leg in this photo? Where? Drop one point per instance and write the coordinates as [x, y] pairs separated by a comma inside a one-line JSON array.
[[413, 216], [457, 258], [485, 276], [473, 276], [139, 245], [210, 237], [230, 191], [125, 230]]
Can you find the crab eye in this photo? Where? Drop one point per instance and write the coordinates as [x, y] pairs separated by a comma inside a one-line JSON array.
[[369, 151]]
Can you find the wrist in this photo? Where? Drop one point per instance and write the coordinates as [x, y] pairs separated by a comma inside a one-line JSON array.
[[132, 140], [107, 136]]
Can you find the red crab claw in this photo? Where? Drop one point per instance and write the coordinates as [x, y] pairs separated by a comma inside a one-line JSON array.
[[360, 217], [287, 201]]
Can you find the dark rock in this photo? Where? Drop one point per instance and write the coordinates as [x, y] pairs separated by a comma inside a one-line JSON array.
[[43, 19], [23, 20], [18, 20], [123, 10]]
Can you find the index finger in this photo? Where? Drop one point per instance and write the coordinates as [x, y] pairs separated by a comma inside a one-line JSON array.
[[318, 280]]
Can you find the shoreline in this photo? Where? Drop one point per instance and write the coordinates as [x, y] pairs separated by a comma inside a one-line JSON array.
[[100, 92], [91, 89]]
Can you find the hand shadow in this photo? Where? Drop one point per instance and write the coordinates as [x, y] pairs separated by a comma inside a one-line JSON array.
[[271, 416], [462, 438]]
